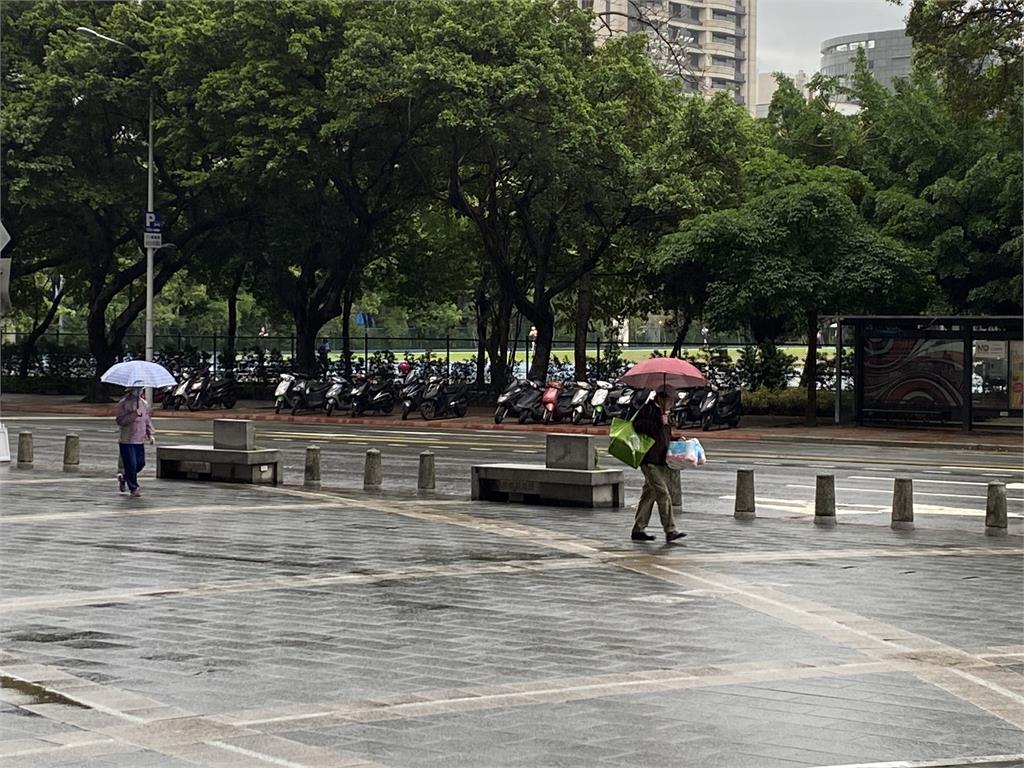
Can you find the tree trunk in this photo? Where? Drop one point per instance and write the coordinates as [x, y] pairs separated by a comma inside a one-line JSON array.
[[677, 346], [229, 349], [584, 304], [811, 369], [28, 348], [480, 307], [306, 329], [544, 321]]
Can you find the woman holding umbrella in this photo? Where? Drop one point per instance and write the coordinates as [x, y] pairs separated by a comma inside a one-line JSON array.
[[662, 374], [132, 416]]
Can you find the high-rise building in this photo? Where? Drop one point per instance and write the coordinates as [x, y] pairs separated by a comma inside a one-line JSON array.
[[888, 55], [711, 45]]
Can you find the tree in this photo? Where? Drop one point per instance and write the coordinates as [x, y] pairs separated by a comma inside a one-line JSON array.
[[975, 46], [791, 253]]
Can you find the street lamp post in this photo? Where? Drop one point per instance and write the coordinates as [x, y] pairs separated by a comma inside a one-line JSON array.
[[150, 250]]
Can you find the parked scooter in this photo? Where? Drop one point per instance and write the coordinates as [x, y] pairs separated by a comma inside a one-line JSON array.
[[598, 402], [557, 400], [310, 395], [686, 409], [176, 396], [507, 400], [441, 398], [411, 395], [374, 395], [529, 405], [207, 392], [721, 408], [339, 395], [580, 402], [284, 393]]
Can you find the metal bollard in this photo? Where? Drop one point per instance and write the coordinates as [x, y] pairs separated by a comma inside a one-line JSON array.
[[71, 453], [426, 479], [675, 489], [745, 508], [995, 509], [25, 456], [372, 475], [825, 501], [312, 477], [902, 504]]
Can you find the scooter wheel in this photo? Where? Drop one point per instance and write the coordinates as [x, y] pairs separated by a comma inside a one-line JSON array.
[[523, 417], [597, 419], [329, 408], [428, 410], [499, 415], [194, 404], [229, 402], [734, 423], [460, 411], [278, 405], [546, 418], [405, 412], [295, 409], [388, 409], [706, 424]]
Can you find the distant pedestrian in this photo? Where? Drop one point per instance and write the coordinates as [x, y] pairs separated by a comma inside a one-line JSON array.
[[652, 420], [132, 415]]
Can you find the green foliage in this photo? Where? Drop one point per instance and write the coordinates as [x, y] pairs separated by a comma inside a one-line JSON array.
[[785, 402]]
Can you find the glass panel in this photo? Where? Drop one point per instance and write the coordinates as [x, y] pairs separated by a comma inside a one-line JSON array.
[[913, 376]]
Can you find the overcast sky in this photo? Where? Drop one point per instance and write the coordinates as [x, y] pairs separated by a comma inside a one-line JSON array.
[[789, 32]]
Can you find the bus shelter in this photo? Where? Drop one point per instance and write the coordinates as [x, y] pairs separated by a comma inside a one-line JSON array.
[[949, 370]]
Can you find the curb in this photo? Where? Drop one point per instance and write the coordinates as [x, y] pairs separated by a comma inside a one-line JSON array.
[[927, 440]]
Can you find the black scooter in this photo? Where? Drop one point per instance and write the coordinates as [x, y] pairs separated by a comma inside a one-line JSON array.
[[508, 399], [686, 408], [375, 395], [339, 395], [721, 408], [441, 399], [310, 395], [411, 395], [207, 392]]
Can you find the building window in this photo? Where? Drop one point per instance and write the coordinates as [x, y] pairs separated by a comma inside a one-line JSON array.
[[843, 47], [675, 10], [694, 13], [587, 5], [871, 43], [693, 60], [722, 61], [721, 37], [723, 16]]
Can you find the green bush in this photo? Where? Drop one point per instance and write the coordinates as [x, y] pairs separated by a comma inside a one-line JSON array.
[[784, 402]]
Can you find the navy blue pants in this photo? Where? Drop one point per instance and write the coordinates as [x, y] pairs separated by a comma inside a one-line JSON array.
[[133, 456]]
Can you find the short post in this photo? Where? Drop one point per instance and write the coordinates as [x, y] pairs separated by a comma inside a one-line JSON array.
[[372, 470], [71, 453], [312, 476], [675, 489], [995, 509], [426, 479], [745, 507], [903, 504], [825, 501], [24, 450]]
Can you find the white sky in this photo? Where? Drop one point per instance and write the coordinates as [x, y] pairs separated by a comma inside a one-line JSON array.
[[789, 32]]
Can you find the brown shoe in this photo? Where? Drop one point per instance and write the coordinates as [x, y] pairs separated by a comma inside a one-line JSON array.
[[673, 535]]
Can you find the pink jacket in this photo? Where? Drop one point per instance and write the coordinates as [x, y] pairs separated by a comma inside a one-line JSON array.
[[132, 415]]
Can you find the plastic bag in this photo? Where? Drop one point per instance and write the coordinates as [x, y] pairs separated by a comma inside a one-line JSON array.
[[683, 454], [626, 444]]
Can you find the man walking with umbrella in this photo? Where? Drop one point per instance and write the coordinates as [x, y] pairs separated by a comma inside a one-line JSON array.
[[132, 416]]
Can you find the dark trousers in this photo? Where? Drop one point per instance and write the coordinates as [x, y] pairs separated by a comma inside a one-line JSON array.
[[133, 456]]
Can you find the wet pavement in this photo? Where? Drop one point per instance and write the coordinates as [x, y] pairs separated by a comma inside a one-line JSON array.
[[215, 625]]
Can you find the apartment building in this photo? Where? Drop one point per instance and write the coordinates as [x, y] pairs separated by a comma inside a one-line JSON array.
[[888, 54], [710, 45]]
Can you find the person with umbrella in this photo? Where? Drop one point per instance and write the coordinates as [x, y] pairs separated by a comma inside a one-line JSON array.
[[662, 374], [132, 416]]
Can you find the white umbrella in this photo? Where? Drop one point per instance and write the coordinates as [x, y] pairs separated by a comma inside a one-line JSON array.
[[138, 373]]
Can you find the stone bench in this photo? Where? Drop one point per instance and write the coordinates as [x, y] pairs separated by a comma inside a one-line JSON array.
[[569, 476], [232, 459]]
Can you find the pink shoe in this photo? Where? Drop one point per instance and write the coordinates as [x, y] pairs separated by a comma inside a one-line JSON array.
[[135, 494], [121, 485]]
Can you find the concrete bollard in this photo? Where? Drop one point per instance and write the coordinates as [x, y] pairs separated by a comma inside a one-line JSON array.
[[71, 453], [995, 510], [825, 501], [372, 475], [675, 489], [745, 508], [902, 504], [25, 457], [312, 476], [426, 479]]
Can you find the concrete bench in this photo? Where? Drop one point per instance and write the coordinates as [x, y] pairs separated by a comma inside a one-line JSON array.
[[569, 476], [232, 459]]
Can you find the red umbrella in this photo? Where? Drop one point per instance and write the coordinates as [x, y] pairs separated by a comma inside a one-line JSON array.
[[664, 373]]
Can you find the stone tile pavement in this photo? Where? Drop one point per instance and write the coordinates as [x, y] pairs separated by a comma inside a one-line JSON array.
[[219, 625]]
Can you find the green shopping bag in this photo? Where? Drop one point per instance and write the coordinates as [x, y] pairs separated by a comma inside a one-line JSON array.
[[626, 444]]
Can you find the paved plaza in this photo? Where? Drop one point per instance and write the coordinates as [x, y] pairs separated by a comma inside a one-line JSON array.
[[217, 625]]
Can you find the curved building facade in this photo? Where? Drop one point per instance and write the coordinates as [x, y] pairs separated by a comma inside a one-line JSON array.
[[888, 55]]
